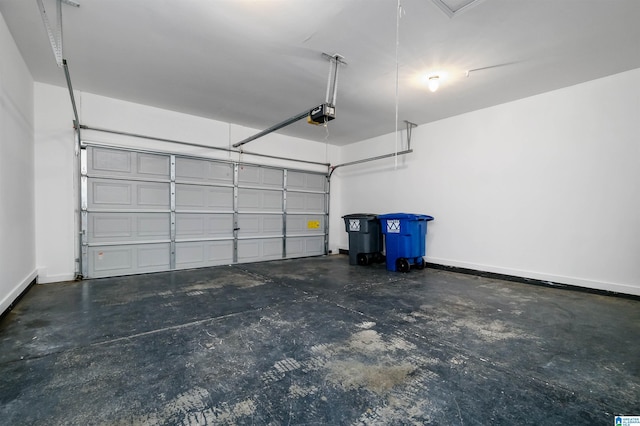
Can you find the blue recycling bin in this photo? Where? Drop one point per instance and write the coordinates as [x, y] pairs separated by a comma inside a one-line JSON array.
[[405, 240]]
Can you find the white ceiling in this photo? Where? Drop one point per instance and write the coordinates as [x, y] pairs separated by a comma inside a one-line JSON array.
[[259, 62]]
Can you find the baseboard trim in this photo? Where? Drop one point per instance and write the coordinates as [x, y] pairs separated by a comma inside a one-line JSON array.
[[50, 279], [14, 296], [532, 281]]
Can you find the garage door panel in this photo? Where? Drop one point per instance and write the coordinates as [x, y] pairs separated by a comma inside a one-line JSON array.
[[220, 198], [190, 169], [152, 195], [128, 164], [152, 226], [272, 178], [138, 206], [110, 227], [203, 253], [197, 197], [120, 194], [259, 200], [205, 171], [314, 246], [305, 224], [305, 246], [110, 193], [295, 247], [259, 249], [189, 254], [152, 165], [305, 202], [259, 225], [128, 227], [260, 176], [105, 261], [306, 181], [111, 260], [248, 199], [190, 197], [204, 225], [110, 160], [153, 257]]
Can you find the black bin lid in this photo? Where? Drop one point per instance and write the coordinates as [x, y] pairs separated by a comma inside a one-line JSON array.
[[367, 216]]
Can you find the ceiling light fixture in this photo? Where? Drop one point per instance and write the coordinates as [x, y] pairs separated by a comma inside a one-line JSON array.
[[433, 83]]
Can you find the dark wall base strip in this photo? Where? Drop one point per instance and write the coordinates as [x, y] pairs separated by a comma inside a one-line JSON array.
[[532, 281], [15, 302]]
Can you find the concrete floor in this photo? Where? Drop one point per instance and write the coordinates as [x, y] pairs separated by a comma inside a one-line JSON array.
[[317, 342]]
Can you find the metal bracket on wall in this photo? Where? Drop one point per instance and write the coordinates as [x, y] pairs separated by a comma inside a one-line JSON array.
[[410, 127]]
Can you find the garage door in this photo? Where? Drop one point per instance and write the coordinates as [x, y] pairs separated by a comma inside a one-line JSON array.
[[148, 212]]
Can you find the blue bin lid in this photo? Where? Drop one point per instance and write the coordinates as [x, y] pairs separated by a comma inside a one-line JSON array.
[[405, 216]]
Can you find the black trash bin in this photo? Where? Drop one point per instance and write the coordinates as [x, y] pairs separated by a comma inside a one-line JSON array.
[[365, 238]]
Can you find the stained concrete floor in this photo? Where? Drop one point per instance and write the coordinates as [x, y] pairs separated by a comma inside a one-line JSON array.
[[317, 342]]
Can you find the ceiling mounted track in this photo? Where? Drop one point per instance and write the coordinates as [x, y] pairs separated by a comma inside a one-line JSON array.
[[317, 115], [55, 36]]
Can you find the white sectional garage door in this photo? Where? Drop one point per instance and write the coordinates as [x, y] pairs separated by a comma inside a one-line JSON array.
[[148, 212]]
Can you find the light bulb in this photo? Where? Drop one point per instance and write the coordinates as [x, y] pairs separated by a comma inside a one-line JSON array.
[[433, 83]]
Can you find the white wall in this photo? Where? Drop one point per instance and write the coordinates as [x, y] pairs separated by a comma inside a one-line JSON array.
[[17, 237], [546, 187], [56, 187]]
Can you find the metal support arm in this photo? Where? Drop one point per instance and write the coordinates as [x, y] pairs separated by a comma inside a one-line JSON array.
[[76, 122], [273, 128]]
